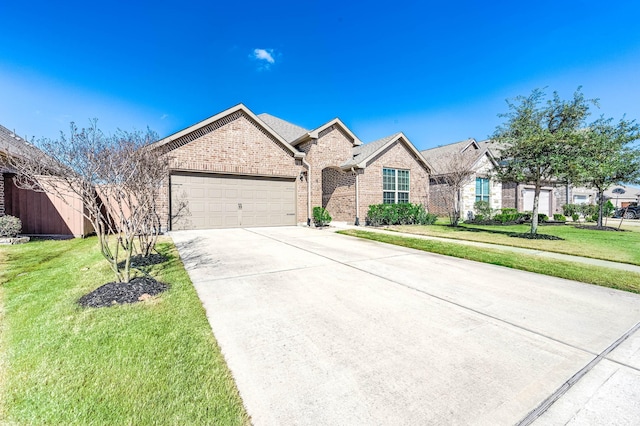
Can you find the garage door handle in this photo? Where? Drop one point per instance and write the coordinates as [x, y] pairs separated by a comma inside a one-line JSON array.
[[239, 206]]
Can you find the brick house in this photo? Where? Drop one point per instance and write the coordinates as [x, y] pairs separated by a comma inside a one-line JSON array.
[[239, 169], [468, 154], [40, 213]]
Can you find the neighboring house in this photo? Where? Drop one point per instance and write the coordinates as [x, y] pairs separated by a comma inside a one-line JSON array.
[[454, 158], [40, 213], [553, 195], [622, 195], [238, 169]]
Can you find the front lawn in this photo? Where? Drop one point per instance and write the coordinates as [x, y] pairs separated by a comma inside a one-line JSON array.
[[606, 277], [149, 363], [608, 245]]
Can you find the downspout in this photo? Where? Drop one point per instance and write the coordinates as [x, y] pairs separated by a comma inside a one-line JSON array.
[[357, 199], [308, 166]]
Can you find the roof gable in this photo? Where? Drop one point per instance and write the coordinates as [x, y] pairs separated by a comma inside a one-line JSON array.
[[214, 122], [474, 149], [364, 154]]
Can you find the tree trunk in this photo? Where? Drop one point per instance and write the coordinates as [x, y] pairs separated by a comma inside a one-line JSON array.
[[600, 205], [534, 214]]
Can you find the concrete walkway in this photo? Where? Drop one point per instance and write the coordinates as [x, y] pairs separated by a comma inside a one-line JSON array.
[[534, 252], [324, 329]]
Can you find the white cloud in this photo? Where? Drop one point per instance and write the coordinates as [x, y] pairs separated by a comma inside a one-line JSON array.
[[265, 58], [264, 54]]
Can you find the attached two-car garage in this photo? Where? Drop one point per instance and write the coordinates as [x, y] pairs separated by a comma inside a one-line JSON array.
[[205, 201]]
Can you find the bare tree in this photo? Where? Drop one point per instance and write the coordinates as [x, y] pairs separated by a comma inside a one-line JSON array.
[[455, 171], [116, 179]]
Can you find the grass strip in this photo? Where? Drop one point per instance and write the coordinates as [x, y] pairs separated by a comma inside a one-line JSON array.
[[621, 247], [150, 363], [606, 277]]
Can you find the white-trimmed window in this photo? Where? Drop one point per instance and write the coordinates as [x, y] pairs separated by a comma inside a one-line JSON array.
[[482, 189], [395, 186], [580, 199]]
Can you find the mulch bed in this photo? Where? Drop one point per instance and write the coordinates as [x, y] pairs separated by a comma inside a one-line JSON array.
[[530, 236], [599, 228], [139, 260], [138, 289]]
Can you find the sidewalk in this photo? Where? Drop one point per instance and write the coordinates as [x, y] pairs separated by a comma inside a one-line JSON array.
[[559, 256]]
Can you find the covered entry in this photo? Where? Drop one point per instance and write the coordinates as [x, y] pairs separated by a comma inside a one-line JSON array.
[[204, 201]]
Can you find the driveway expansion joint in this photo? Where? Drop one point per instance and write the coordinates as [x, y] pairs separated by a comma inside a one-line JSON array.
[[547, 403]]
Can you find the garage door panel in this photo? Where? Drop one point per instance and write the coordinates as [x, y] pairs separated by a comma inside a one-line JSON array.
[[215, 201], [544, 202]]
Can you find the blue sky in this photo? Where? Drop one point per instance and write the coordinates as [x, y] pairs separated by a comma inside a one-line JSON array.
[[438, 71]]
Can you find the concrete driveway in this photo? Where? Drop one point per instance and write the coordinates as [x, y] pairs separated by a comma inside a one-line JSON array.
[[323, 329]]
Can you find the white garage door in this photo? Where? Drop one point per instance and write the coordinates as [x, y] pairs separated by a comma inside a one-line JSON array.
[[544, 204], [204, 201]]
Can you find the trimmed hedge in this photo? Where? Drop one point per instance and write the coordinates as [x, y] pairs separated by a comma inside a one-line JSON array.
[[399, 214]]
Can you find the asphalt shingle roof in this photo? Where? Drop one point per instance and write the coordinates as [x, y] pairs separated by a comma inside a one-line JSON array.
[[434, 155], [362, 152], [16, 145], [288, 131]]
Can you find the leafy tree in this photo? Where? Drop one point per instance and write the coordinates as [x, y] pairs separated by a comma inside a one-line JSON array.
[[537, 141], [608, 157]]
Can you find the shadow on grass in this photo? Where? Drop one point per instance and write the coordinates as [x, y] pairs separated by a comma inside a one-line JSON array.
[[526, 235]]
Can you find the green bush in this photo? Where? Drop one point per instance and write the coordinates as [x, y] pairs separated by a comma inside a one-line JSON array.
[[559, 217], [575, 217], [588, 210], [508, 217], [508, 211], [542, 217], [321, 216], [399, 214], [593, 218], [570, 209], [608, 209], [10, 226], [483, 208]]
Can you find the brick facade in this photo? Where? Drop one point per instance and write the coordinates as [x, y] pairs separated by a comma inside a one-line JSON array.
[[331, 188], [238, 147], [396, 156], [237, 143]]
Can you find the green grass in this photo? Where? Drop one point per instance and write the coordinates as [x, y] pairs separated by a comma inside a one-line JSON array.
[[607, 277], [621, 247], [149, 363]]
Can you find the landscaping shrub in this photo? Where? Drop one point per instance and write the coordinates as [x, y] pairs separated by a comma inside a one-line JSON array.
[[588, 210], [608, 209], [399, 214], [559, 217], [542, 217], [10, 226], [570, 209], [508, 217], [321, 216], [483, 208], [575, 217], [508, 211]]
